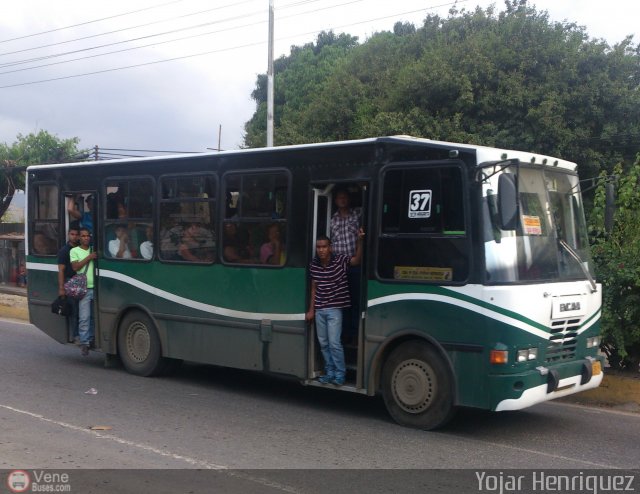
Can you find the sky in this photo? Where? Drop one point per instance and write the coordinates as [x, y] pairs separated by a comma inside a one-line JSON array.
[[177, 75]]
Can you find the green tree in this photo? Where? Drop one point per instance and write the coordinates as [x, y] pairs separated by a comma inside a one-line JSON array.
[[512, 79], [40, 148], [298, 79], [616, 254]]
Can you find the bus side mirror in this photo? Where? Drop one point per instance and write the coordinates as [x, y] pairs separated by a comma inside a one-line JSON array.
[[507, 201], [610, 206]]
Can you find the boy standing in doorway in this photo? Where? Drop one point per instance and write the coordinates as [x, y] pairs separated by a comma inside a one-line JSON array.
[[82, 260], [329, 296]]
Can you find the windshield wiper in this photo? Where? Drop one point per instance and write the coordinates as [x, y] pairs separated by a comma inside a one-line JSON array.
[[576, 256]]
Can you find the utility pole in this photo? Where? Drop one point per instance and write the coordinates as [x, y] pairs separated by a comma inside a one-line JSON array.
[[270, 80]]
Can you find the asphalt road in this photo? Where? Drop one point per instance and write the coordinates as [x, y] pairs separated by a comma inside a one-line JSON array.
[[260, 434]]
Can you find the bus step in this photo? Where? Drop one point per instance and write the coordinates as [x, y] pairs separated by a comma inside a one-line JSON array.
[[350, 387]]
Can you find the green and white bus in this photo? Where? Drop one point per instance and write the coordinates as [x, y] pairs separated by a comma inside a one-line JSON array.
[[476, 287]]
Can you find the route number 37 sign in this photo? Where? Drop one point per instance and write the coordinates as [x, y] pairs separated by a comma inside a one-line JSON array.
[[420, 204]]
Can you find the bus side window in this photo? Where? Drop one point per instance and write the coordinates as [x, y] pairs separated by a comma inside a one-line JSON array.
[[187, 212], [255, 223], [45, 234], [128, 216]]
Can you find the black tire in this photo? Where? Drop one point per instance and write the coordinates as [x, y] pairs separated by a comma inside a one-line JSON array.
[[139, 345], [417, 386]]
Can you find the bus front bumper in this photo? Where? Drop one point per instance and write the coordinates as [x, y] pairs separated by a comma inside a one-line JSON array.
[[548, 383]]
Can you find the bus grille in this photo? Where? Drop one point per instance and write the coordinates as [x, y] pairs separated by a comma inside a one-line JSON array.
[[562, 342]]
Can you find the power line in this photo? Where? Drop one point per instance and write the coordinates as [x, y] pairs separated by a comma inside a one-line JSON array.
[[155, 43], [225, 49], [90, 22], [147, 151], [127, 29], [46, 57], [132, 66], [10, 64]]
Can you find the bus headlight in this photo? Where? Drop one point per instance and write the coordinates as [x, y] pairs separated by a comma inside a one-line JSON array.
[[593, 342], [527, 354]]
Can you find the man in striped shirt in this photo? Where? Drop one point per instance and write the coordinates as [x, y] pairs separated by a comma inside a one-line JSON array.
[[329, 295]]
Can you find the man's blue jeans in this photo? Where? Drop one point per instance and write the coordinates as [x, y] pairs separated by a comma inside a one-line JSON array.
[[85, 318], [73, 319], [329, 329]]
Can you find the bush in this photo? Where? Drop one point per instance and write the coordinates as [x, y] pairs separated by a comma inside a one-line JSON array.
[[617, 260]]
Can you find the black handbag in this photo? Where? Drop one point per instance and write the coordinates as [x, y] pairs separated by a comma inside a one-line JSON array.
[[61, 306]]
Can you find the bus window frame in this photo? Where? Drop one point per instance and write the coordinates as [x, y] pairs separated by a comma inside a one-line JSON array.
[[159, 201], [253, 220], [467, 236], [105, 222], [31, 206]]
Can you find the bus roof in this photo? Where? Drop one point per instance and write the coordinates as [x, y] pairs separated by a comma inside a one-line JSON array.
[[483, 153]]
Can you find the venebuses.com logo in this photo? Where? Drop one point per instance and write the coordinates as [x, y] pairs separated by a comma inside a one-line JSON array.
[[38, 481], [18, 481]]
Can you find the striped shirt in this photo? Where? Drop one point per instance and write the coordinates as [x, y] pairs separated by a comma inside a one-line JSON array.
[[332, 288]]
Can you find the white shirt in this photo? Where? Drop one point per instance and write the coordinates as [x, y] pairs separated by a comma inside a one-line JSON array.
[[146, 249], [114, 247]]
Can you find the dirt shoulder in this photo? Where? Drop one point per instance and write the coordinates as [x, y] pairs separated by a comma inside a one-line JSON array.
[[619, 390], [13, 306]]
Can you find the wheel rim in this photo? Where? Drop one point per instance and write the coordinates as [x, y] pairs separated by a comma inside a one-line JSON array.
[[414, 385], [138, 341]]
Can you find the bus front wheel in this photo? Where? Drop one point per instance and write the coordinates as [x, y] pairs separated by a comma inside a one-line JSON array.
[[139, 345], [417, 386]]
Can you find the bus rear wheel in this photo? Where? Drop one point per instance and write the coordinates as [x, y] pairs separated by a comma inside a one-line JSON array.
[[139, 345], [417, 386]]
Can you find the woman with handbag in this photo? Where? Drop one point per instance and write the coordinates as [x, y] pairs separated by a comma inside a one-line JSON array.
[[82, 261]]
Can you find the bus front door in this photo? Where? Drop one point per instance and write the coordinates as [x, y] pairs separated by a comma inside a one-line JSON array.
[[81, 212], [324, 208]]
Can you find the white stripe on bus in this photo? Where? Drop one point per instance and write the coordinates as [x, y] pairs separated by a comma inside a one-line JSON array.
[[299, 317], [489, 313]]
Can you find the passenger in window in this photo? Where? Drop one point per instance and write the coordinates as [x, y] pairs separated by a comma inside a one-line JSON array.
[[42, 244], [344, 227], [237, 247], [85, 218], [170, 233], [119, 246], [115, 206], [193, 246], [146, 247], [272, 251]]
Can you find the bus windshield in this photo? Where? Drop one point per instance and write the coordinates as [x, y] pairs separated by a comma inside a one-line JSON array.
[[550, 241]]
